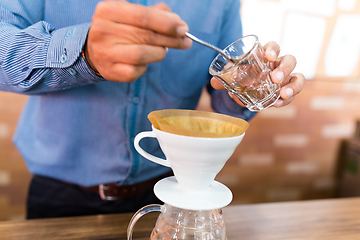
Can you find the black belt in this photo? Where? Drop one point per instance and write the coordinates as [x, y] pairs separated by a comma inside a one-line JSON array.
[[112, 191]]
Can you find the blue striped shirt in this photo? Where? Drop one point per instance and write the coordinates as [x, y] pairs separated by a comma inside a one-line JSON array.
[[78, 127]]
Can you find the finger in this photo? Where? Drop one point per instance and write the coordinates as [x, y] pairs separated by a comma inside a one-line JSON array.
[[138, 54], [162, 6], [286, 65], [216, 84], [293, 87], [127, 34], [281, 102], [236, 99], [143, 17], [120, 72], [272, 50]]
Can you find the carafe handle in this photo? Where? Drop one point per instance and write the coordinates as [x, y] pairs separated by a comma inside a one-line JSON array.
[[146, 154], [141, 212]]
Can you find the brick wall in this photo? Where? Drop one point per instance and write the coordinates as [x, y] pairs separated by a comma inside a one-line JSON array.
[[14, 177]]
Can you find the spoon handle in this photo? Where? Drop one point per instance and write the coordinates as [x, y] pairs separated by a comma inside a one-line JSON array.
[[208, 45]]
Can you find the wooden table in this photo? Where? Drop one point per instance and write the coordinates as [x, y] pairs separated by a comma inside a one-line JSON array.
[[318, 219]]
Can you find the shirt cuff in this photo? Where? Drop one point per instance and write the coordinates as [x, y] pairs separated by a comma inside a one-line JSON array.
[[66, 45], [64, 53], [79, 74]]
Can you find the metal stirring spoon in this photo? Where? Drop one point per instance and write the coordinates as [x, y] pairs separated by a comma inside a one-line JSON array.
[[212, 47]]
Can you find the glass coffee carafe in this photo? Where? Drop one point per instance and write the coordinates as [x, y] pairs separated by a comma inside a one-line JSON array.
[[178, 223]]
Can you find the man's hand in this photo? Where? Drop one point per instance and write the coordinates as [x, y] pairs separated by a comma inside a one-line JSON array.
[[291, 83], [124, 37]]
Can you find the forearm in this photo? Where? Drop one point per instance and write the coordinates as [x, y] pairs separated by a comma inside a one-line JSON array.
[[40, 59]]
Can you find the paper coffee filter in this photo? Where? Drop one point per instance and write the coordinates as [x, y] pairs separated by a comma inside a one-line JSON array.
[[197, 123]]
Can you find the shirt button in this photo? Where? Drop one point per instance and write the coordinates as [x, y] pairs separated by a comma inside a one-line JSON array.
[[63, 58], [72, 71], [136, 100]]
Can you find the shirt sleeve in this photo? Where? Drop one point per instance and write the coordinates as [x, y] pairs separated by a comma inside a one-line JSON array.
[[231, 30], [36, 58]]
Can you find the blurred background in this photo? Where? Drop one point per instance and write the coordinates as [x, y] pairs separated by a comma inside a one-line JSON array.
[[307, 150]]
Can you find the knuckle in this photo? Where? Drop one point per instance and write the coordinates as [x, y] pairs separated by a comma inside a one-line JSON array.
[[291, 58], [95, 30], [295, 61], [162, 53], [144, 18], [165, 7], [149, 37], [126, 74], [101, 7], [131, 72], [136, 55], [152, 37], [290, 62]]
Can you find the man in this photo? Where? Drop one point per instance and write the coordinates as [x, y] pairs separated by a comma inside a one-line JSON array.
[[94, 70]]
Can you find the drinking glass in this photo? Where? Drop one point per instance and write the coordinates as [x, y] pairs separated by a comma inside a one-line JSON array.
[[248, 75]]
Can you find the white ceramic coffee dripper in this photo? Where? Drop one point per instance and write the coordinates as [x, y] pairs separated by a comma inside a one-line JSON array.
[[192, 196], [195, 162]]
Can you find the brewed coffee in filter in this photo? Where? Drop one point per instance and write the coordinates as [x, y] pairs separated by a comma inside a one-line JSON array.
[[197, 123]]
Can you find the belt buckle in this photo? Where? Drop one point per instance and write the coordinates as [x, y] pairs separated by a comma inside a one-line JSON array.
[[102, 192]]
